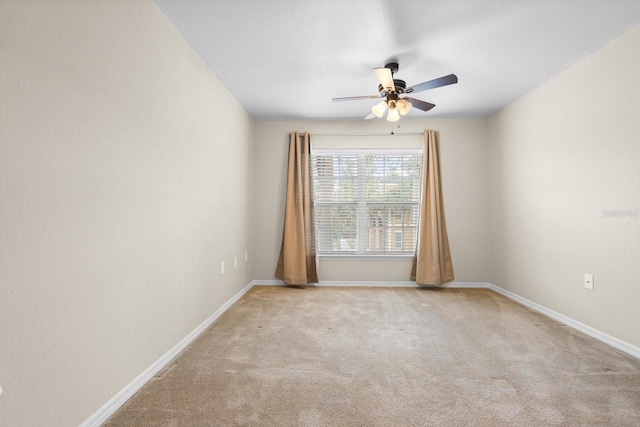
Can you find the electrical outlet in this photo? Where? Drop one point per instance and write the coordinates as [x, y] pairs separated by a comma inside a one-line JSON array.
[[222, 267], [588, 281], [235, 262]]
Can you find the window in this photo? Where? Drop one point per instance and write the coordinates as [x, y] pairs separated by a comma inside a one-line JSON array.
[[366, 201]]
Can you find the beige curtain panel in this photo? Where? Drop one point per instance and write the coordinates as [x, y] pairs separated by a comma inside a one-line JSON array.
[[432, 264], [298, 263]]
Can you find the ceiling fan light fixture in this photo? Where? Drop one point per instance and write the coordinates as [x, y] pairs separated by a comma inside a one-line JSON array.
[[393, 115], [379, 108], [404, 106]]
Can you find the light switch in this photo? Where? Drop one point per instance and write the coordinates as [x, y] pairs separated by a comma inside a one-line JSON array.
[[222, 267]]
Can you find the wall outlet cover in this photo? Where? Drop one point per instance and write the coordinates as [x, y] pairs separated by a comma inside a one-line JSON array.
[[588, 281]]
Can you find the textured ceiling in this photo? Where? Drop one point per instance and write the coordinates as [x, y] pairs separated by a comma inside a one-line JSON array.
[[287, 59]]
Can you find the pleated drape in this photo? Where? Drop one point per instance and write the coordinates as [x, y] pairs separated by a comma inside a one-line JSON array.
[[298, 262], [432, 264]]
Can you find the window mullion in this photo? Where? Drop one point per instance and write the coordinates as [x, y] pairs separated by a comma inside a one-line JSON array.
[[361, 211]]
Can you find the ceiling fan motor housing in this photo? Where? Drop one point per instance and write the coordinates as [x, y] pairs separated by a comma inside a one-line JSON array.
[[399, 84]]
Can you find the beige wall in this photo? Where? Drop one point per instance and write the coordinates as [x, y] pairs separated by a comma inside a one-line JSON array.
[[464, 146], [559, 157], [123, 184]]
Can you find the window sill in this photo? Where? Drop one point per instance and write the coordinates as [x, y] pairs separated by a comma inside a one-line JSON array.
[[365, 257]]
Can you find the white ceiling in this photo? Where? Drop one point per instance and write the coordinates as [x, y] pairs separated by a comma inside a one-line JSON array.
[[287, 59]]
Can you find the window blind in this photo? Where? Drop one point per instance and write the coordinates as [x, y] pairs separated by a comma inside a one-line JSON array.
[[366, 201]]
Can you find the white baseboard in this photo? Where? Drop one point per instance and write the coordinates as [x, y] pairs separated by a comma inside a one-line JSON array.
[[374, 284], [592, 332], [273, 282], [130, 389], [472, 285]]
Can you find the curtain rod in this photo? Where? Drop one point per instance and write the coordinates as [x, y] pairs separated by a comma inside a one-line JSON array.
[[367, 134]]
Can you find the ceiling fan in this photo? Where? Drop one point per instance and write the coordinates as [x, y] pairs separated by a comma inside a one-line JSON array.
[[391, 89]]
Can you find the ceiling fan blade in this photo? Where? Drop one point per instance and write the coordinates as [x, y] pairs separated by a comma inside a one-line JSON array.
[[432, 84], [354, 98], [420, 105], [370, 116], [386, 78]]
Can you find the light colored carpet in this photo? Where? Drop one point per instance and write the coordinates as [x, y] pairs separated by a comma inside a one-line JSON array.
[[388, 357]]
